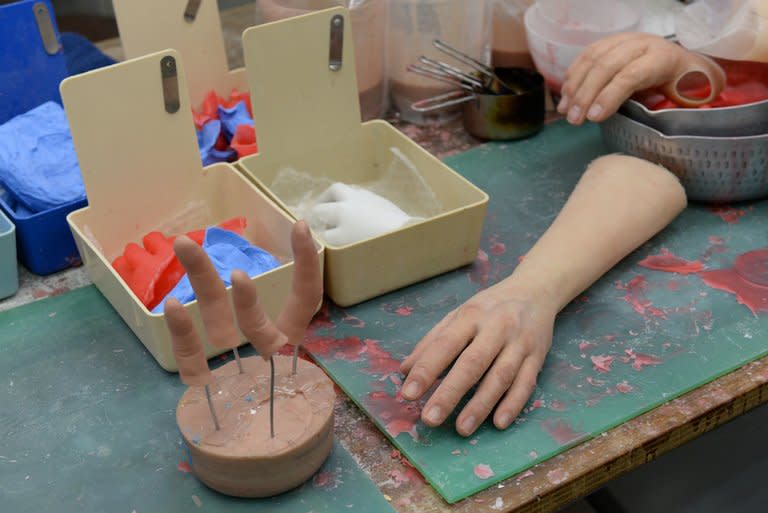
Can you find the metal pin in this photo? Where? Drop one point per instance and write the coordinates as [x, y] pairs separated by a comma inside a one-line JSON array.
[[210, 405], [272, 396], [295, 359], [237, 359]]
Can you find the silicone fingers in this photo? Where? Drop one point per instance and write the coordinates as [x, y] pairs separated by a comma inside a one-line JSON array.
[[210, 292], [307, 287], [692, 76], [253, 321], [187, 348]]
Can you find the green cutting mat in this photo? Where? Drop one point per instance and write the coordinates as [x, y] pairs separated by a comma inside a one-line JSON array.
[[87, 420], [686, 333]]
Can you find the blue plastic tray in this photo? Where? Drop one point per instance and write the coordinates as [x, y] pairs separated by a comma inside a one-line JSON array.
[[29, 75], [9, 271], [44, 240]]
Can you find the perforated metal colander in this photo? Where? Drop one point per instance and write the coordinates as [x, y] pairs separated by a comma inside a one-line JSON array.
[[712, 169]]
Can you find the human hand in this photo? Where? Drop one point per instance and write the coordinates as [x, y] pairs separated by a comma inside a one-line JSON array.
[[499, 339], [345, 214], [611, 70], [266, 336]]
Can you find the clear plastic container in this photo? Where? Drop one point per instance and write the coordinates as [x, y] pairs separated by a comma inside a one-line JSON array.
[[369, 25], [413, 26], [510, 47], [728, 29]]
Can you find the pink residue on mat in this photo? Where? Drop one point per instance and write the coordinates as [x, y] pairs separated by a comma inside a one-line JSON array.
[[560, 431], [348, 348], [624, 387], [498, 248], [557, 405], [326, 480], [379, 361], [483, 471], [602, 363], [640, 360], [533, 455], [635, 296], [397, 415], [747, 280], [183, 466], [667, 262], [728, 214], [599, 383], [404, 311], [481, 269], [584, 345]]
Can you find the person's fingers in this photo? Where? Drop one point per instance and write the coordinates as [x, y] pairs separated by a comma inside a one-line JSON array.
[[495, 384], [405, 366], [604, 70], [465, 373], [522, 388], [210, 292], [437, 356], [581, 67], [307, 286], [640, 74], [254, 323], [187, 347]]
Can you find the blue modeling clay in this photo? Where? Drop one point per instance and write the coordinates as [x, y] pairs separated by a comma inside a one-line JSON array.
[[206, 141], [233, 117], [228, 252], [38, 163]]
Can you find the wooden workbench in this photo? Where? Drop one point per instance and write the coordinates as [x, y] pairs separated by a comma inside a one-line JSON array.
[[587, 466]]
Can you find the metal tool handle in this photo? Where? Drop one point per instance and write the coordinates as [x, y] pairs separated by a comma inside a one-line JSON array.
[[462, 57], [434, 75], [450, 70], [442, 101]]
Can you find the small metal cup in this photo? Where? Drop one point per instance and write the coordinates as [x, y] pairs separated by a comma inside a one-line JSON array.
[[498, 117]]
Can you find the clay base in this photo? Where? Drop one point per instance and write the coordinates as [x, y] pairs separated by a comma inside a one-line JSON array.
[[241, 458]]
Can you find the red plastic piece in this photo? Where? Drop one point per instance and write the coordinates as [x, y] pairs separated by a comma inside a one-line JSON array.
[[244, 141], [152, 271]]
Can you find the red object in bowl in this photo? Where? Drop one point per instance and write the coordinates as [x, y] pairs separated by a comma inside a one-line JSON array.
[[152, 271]]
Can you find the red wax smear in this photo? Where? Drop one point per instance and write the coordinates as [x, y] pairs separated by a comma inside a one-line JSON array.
[[669, 263], [183, 466], [498, 248], [379, 361], [715, 241], [538, 403], [404, 311], [635, 296], [397, 414], [557, 405], [728, 214], [672, 285], [324, 479], [351, 320], [560, 431], [583, 346], [349, 348], [624, 387], [483, 471], [602, 363], [481, 268], [641, 360], [152, 270], [747, 280], [595, 382], [322, 318]]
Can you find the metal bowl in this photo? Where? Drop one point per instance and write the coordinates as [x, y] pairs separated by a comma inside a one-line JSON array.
[[712, 169], [737, 121]]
